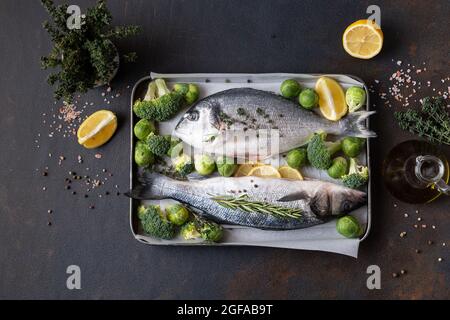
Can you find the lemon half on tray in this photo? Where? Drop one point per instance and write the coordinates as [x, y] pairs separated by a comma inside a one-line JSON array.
[[97, 129]]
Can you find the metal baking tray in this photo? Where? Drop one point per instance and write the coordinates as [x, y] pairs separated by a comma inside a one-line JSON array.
[[232, 80]]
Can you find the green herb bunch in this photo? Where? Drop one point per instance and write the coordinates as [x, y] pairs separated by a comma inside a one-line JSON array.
[[432, 122], [85, 56]]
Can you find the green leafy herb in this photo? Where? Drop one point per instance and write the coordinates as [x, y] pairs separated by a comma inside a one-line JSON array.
[[243, 203], [226, 119], [86, 56], [241, 112], [432, 123]]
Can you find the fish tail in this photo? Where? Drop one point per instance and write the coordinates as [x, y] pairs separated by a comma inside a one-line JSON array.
[[150, 186], [354, 125]]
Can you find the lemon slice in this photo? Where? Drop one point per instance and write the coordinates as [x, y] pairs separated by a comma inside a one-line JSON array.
[[244, 169], [290, 173], [97, 129], [331, 99], [363, 39], [264, 172]]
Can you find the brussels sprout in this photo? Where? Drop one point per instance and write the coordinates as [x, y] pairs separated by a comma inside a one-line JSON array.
[[290, 88], [189, 231], [352, 146], [177, 214], [142, 155], [209, 231], [226, 166], [182, 88], [355, 98], [183, 165], [349, 227], [338, 168], [204, 164], [296, 158], [308, 99], [190, 91], [143, 128]]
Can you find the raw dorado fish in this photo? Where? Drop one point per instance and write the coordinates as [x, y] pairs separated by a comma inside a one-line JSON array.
[[249, 123], [264, 203]]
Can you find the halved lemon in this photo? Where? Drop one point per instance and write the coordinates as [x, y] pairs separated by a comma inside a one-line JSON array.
[[244, 169], [287, 172], [97, 129], [363, 39], [331, 98], [264, 172]]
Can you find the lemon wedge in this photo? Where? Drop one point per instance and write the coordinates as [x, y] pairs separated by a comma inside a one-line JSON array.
[[363, 39], [331, 98], [264, 171], [287, 172], [97, 129]]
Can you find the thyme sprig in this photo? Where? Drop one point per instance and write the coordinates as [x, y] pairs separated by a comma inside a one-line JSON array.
[[435, 107], [243, 203], [86, 56], [432, 122]]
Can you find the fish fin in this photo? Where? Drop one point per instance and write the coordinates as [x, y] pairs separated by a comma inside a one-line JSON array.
[[138, 193], [149, 186], [293, 197], [354, 126]]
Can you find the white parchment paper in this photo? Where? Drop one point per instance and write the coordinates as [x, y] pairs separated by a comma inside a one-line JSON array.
[[320, 238]]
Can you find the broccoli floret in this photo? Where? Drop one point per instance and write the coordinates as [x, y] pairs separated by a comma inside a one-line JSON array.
[[320, 152], [154, 223], [189, 231], [176, 147], [357, 176], [141, 211], [209, 231], [158, 145], [160, 103]]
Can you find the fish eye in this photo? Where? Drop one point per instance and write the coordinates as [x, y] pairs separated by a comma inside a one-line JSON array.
[[193, 116]]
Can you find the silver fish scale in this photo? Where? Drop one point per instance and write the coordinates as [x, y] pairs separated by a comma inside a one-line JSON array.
[[251, 111], [286, 115]]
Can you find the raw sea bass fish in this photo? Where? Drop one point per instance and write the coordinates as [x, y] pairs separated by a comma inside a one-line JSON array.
[[235, 121], [264, 203]]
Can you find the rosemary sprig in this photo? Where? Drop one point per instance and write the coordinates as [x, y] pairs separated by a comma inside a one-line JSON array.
[[243, 203]]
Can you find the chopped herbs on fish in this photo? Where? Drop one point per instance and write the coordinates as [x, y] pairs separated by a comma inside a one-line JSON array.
[[250, 110], [241, 112]]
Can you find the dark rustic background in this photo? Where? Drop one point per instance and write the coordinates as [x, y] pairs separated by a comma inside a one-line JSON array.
[[203, 36]]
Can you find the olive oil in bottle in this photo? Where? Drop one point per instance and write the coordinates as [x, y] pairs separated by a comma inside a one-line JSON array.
[[416, 172]]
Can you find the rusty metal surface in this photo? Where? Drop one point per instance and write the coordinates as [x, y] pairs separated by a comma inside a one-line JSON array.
[[205, 36]]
